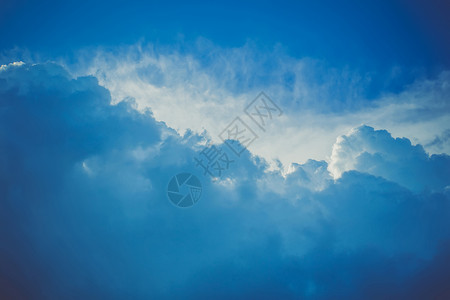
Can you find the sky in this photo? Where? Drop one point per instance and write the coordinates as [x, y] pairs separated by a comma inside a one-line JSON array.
[[339, 190]]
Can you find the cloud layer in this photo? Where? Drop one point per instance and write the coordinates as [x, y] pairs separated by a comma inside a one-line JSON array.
[[83, 210]]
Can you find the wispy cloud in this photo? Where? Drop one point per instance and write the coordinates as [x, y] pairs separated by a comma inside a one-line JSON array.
[[204, 88]]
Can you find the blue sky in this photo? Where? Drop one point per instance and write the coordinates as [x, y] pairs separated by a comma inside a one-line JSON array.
[[362, 35], [344, 195]]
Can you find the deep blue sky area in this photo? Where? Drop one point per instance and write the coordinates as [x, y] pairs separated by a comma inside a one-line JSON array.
[[370, 35]]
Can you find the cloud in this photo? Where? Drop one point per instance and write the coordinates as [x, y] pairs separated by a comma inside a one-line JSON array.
[[440, 142], [83, 210], [377, 152], [203, 88]]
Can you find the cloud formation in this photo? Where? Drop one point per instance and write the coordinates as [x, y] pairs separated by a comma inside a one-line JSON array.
[[83, 210], [376, 152], [212, 85]]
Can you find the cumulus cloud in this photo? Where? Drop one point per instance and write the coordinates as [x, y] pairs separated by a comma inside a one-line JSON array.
[[377, 152], [83, 210]]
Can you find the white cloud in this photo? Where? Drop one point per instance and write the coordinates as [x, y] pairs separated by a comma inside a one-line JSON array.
[[377, 152], [205, 90], [10, 65]]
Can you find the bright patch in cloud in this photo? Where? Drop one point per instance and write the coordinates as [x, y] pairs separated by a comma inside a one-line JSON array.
[[205, 89]]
